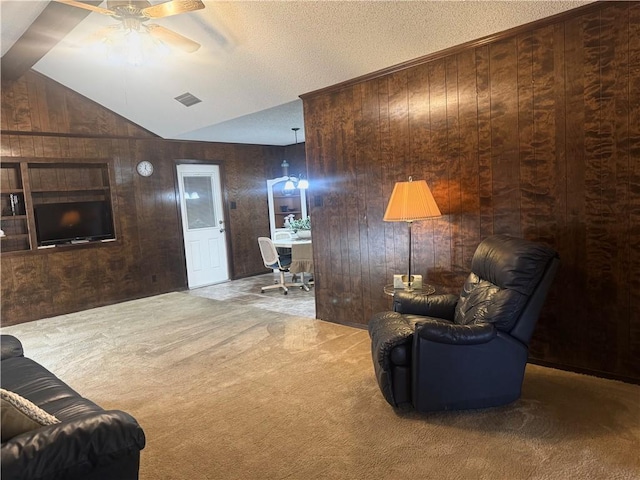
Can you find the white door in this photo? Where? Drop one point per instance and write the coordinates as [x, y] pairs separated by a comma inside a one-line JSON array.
[[203, 226]]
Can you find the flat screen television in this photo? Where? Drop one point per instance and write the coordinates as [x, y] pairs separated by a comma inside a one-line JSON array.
[[58, 223]]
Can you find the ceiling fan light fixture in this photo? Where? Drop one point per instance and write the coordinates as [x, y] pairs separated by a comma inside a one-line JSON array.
[[135, 42], [131, 46]]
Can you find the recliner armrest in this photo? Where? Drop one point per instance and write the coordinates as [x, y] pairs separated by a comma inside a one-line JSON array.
[[441, 331], [387, 331], [65, 450], [440, 306]]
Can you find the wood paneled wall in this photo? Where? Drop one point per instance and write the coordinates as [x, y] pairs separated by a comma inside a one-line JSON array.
[[533, 133], [43, 120]]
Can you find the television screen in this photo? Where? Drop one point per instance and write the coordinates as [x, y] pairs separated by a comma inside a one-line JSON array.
[[65, 222]]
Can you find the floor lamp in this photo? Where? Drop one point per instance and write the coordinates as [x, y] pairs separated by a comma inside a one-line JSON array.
[[411, 201]]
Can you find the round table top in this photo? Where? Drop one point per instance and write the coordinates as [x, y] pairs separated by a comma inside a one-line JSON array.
[[426, 289]]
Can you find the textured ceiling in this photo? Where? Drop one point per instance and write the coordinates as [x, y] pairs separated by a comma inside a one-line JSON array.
[[257, 57]]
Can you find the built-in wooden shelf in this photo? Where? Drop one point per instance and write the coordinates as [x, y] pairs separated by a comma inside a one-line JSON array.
[[15, 237], [28, 183]]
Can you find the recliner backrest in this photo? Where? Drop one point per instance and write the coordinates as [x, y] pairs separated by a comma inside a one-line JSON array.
[[505, 272]]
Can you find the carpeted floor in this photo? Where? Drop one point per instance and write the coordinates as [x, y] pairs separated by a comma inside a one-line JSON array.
[[226, 391]]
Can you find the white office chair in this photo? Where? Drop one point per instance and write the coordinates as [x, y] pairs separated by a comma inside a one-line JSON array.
[[284, 234], [272, 260]]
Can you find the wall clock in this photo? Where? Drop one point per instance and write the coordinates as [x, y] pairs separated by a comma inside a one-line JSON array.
[[145, 168]]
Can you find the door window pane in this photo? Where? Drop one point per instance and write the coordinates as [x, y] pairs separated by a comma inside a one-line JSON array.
[[199, 202]]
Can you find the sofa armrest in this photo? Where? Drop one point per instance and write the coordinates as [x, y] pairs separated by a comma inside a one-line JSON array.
[[440, 306], [67, 449], [441, 331], [10, 347]]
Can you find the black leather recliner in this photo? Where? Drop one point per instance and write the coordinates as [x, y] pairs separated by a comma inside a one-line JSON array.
[[447, 352]]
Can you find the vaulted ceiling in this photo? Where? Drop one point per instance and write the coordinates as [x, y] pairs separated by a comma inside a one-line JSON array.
[[256, 57]]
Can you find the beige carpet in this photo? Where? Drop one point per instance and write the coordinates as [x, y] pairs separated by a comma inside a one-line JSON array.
[[233, 392]]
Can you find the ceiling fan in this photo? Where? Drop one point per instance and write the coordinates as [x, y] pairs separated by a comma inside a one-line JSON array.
[[134, 14]]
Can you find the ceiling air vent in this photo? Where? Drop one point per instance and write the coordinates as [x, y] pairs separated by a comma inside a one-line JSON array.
[[187, 99]]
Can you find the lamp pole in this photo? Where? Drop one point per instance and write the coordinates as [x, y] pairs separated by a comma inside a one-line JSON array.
[[409, 287]]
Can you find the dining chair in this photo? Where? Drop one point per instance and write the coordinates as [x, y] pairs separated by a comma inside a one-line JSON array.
[[272, 260]]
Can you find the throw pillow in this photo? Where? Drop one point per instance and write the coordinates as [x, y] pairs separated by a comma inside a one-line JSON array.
[[19, 415]]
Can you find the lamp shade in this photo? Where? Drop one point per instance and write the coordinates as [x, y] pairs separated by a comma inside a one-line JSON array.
[[411, 201]]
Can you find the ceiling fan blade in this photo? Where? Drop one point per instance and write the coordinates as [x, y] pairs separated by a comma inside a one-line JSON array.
[[173, 7], [173, 39], [86, 6]]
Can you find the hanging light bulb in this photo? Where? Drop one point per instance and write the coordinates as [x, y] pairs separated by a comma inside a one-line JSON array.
[[303, 183], [289, 186]]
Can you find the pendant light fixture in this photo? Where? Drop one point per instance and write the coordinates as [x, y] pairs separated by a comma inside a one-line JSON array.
[[303, 183], [298, 181], [292, 182]]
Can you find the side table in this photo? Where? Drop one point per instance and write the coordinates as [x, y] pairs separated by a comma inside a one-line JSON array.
[[426, 289]]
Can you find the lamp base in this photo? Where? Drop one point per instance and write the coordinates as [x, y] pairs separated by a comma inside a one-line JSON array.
[[402, 281]]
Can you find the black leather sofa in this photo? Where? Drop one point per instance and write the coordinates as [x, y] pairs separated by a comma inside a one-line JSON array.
[[88, 443]]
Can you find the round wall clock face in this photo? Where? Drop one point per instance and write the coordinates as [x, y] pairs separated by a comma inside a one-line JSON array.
[[145, 168]]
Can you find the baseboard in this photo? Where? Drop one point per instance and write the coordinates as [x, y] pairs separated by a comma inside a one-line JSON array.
[[586, 371]]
